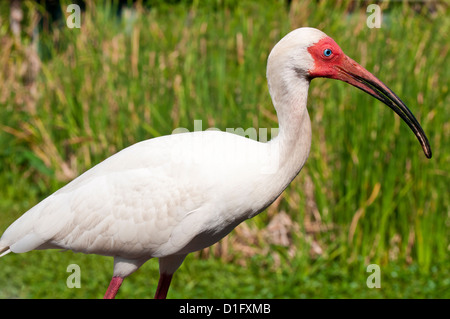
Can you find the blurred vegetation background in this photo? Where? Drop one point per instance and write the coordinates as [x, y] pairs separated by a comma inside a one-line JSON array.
[[69, 98]]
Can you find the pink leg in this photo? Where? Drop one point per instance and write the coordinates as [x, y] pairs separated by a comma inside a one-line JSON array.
[[163, 286], [113, 288]]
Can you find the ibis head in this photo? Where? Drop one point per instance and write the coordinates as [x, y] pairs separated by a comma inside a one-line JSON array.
[[310, 53]]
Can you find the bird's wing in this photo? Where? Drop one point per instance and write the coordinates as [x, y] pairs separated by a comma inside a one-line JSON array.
[[131, 199], [152, 197]]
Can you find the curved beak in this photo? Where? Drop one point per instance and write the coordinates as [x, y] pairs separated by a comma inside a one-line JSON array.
[[351, 72]]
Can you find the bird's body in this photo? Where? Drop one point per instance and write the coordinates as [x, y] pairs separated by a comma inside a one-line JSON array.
[[182, 193], [172, 195]]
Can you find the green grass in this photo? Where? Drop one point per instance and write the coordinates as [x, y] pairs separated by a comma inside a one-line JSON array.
[[44, 275], [366, 195]]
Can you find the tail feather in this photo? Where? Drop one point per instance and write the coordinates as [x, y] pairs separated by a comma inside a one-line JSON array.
[[4, 251]]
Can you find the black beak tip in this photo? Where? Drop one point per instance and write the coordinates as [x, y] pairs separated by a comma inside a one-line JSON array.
[[426, 147]]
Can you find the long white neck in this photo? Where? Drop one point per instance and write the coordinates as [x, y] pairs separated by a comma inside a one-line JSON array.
[[289, 92], [286, 153]]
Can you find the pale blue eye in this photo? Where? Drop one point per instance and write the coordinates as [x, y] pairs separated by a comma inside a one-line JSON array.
[[327, 52]]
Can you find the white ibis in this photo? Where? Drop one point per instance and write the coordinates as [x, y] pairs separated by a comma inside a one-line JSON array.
[[172, 195]]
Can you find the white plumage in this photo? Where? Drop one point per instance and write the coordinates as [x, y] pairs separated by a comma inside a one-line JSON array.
[[151, 200], [172, 195]]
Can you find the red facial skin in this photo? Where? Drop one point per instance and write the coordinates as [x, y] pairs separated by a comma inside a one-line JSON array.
[[338, 66], [323, 65]]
